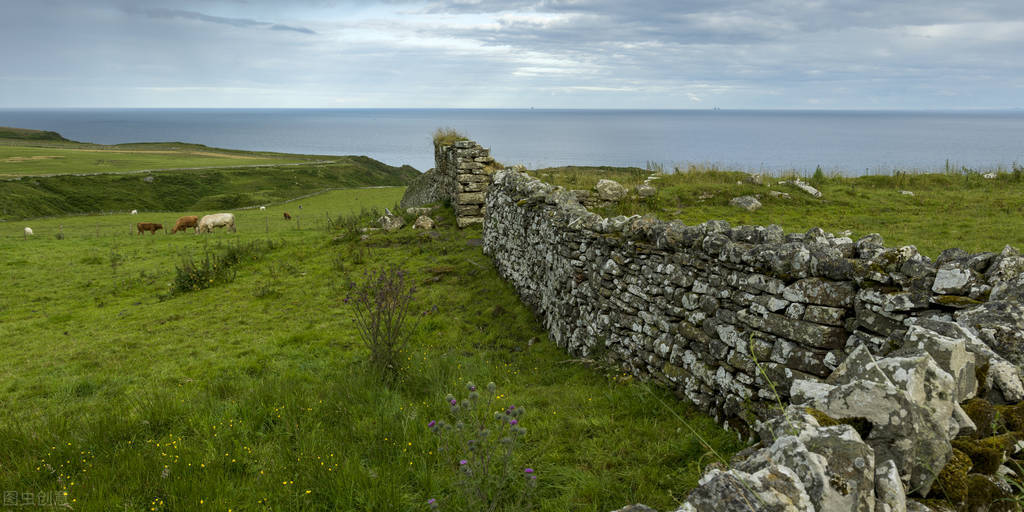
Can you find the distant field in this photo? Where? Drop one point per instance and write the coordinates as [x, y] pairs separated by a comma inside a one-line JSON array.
[[958, 208], [19, 160]]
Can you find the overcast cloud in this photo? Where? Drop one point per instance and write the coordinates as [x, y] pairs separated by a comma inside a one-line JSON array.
[[864, 54]]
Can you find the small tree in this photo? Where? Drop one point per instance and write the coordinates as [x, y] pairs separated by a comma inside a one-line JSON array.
[[380, 302]]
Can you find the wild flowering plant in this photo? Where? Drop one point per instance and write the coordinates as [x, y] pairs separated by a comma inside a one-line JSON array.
[[479, 443], [380, 302]]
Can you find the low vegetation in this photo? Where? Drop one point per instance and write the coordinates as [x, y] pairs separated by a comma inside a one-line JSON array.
[[447, 136], [933, 211], [257, 393]]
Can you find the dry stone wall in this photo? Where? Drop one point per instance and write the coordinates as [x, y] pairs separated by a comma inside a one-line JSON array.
[[872, 349], [464, 172], [726, 316]]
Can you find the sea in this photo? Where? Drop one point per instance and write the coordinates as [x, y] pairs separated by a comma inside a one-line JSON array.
[[765, 141]]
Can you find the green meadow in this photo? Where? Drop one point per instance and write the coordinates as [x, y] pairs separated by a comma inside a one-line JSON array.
[[255, 393], [932, 211], [33, 153]]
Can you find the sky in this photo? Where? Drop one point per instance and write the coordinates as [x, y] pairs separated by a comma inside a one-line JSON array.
[[644, 54]]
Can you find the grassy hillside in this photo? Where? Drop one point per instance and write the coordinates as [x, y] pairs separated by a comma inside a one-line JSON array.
[[958, 208], [254, 394], [7, 132], [49, 175], [207, 189]]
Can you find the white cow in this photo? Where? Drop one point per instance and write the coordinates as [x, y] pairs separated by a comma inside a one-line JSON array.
[[135, 212], [28, 231], [217, 220], [263, 208]]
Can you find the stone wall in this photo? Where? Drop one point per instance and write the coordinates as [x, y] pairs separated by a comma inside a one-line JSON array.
[[715, 312], [870, 349], [463, 174]]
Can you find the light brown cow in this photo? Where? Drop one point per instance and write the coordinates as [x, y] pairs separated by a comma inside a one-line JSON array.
[[188, 221], [152, 227]]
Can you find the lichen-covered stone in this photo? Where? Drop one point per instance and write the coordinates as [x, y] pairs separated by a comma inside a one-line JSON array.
[[609, 190]]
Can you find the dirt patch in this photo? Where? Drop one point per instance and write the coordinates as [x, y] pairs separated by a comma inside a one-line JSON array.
[[169, 152], [18, 159]]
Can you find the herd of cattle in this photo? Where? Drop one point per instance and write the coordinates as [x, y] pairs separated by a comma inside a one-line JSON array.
[[206, 224], [203, 225]]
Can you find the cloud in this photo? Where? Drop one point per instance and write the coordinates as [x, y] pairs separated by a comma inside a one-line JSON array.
[[514, 53], [164, 13]]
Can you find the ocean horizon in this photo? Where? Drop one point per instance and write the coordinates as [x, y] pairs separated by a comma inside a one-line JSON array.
[[849, 142]]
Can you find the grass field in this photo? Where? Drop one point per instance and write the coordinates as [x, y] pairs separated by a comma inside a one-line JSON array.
[[38, 153], [254, 394], [958, 208]]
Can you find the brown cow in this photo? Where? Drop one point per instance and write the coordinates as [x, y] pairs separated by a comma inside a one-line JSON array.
[[152, 227], [287, 217], [188, 221]]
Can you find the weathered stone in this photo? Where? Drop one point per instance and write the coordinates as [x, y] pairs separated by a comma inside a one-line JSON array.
[[1000, 324], [748, 203], [773, 489], [390, 222], [889, 493], [824, 315], [811, 334], [950, 354], [609, 190], [819, 291], [470, 198], [423, 222], [645, 190], [463, 222]]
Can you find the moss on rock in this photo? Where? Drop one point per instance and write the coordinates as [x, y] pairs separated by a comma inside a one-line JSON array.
[[982, 413], [988, 453], [986, 494], [952, 480]]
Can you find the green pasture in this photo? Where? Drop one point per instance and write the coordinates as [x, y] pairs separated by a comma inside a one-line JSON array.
[[31, 161], [932, 211], [255, 394]]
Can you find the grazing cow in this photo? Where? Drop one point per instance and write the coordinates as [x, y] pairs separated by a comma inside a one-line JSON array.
[[263, 208], [217, 220], [287, 217], [28, 231], [135, 212], [188, 221], [152, 227]]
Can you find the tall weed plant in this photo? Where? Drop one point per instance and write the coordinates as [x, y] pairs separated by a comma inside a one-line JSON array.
[[380, 303], [480, 445]]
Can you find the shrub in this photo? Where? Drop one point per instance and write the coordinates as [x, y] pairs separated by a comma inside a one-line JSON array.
[[480, 446], [214, 268], [447, 136], [380, 303], [193, 276]]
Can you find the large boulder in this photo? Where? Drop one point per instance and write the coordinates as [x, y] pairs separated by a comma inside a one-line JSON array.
[[423, 222], [1000, 325], [908, 402], [835, 467], [748, 203], [609, 190], [390, 222], [772, 489]]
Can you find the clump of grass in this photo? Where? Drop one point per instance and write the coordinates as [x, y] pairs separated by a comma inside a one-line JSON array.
[[447, 136], [191, 275]]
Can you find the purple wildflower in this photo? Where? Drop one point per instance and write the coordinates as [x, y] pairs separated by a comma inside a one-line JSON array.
[[528, 470], [513, 422], [431, 424], [463, 462]]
